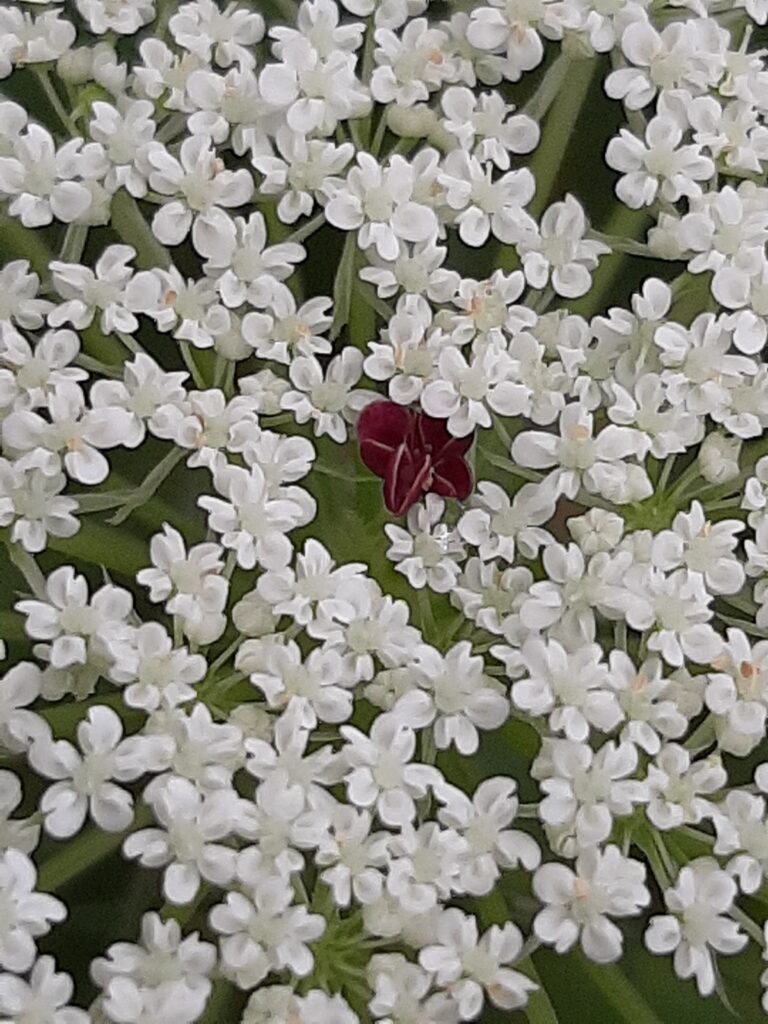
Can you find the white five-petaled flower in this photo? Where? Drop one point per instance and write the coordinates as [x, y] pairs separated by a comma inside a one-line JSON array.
[[473, 966], [329, 398], [84, 780], [559, 251], [26, 914], [429, 551], [45, 996], [377, 202], [598, 463], [698, 922], [580, 902], [381, 771], [204, 187]]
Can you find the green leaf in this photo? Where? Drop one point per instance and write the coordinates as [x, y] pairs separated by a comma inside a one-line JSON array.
[[539, 1009], [108, 546], [224, 1004], [77, 855], [343, 285], [11, 626], [24, 243], [128, 221], [618, 992], [558, 128]]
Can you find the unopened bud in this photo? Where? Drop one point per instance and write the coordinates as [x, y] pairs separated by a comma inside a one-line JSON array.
[[75, 66], [253, 616], [719, 458], [411, 122]]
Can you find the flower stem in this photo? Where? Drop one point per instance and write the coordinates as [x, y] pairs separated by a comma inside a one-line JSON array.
[[44, 77], [74, 243], [618, 992], [149, 487], [97, 366], [549, 87], [24, 244], [130, 343], [559, 100], [191, 365], [620, 244], [226, 654], [128, 221], [666, 472], [80, 854], [28, 568], [306, 229], [752, 928], [702, 737], [561, 120]]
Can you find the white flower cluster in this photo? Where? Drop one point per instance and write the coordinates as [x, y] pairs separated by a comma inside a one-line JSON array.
[[312, 765]]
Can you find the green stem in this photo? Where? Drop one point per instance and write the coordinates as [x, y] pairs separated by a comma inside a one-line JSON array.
[[686, 478], [666, 472], [426, 615], [98, 366], [174, 126], [619, 244], [618, 992], [344, 284], [127, 220], [624, 223], [225, 655], [28, 568], [720, 506], [165, 9], [378, 136], [78, 855], [44, 77], [24, 243], [222, 1003], [306, 229], [151, 484], [752, 928], [541, 302], [361, 313], [130, 343], [101, 346], [560, 122], [74, 242], [539, 1008], [189, 361], [749, 628], [549, 88], [339, 474], [559, 100], [102, 545], [500, 462]]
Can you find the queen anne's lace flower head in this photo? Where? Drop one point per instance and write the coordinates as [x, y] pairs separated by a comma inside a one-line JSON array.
[[384, 505]]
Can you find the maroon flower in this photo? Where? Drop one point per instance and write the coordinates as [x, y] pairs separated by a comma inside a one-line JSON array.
[[413, 453]]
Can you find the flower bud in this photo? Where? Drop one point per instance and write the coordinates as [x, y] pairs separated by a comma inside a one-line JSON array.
[[253, 616], [106, 70], [255, 723], [267, 388], [719, 458], [598, 530], [411, 122], [75, 66], [663, 240]]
